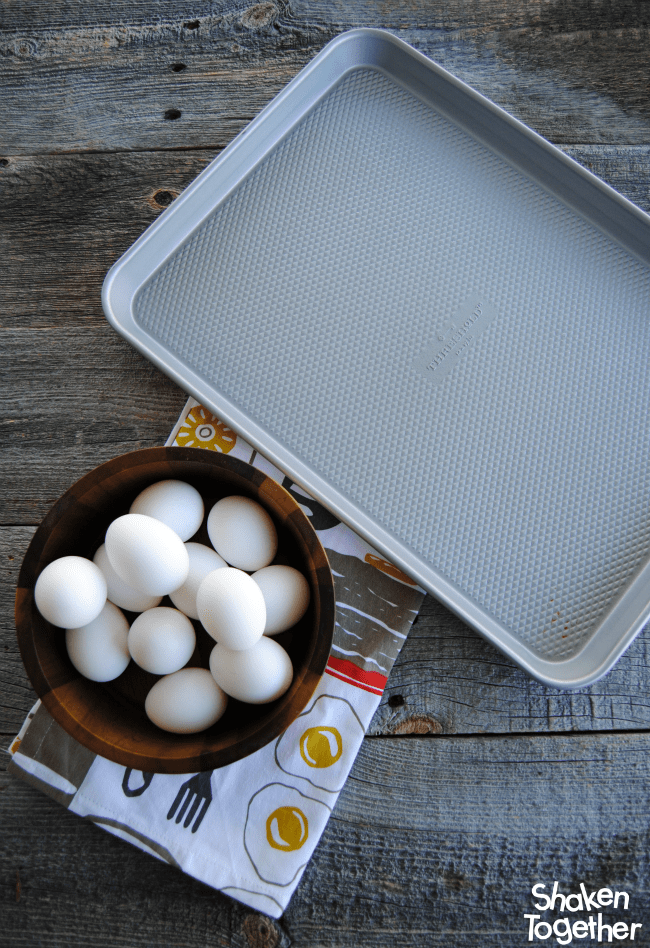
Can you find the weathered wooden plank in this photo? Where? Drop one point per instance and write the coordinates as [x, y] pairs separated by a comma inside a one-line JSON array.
[[80, 399], [445, 680], [489, 15], [74, 13], [69, 218], [463, 831], [439, 14], [60, 362], [120, 86], [611, 64], [68, 886], [16, 693], [449, 680], [112, 92], [433, 841], [625, 169]]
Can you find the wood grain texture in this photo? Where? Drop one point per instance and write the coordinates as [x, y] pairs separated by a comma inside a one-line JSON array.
[[464, 829], [448, 680], [576, 72], [89, 397], [437, 838], [16, 693], [627, 170], [66, 884], [69, 219], [553, 17], [114, 89]]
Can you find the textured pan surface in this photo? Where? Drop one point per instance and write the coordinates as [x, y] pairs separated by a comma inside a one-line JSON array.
[[523, 474], [380, 285]]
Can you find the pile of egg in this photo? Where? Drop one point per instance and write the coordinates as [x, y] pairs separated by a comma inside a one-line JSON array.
[[232, 588]]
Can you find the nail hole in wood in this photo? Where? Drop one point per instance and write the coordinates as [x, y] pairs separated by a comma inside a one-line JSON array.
[[172, 114], [163, 198], [395, 701], [4, 162], [178, 67], [191, 25]]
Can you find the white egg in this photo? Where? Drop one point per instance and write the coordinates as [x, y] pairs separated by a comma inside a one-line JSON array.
[[231, 608], [258, 675], [286, 596], [70, 592], [185, 702], [175, 503], [118, 591], [161, 640], [98, 650], [243, 533], [203, 560], [147, 554]]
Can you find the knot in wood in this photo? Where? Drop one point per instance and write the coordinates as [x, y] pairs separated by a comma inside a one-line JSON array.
[[259, 16], [25, 47], [418, 724], [260, 932], [163, 197]]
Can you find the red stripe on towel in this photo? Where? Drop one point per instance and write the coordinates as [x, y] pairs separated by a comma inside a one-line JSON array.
[[348, 671]]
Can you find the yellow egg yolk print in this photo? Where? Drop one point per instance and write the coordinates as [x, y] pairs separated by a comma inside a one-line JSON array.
[[202, 429], [277, 831], [321, 746], [287, 829]]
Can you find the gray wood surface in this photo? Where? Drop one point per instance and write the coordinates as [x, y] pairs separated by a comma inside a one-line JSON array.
[[448, 856], [576, 72], [475, 782]]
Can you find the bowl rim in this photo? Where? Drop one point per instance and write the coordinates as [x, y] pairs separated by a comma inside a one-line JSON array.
[[57, 686]]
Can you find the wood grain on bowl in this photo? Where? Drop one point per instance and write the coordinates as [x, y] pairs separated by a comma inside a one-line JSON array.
[[109, 719]]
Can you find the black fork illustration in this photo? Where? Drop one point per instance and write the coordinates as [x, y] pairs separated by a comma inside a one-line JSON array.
[[196, 791]]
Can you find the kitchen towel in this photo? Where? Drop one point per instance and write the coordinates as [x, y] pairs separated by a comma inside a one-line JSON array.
[[248, 829]]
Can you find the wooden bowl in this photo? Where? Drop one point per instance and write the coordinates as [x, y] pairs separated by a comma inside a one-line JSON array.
[[109, 718]]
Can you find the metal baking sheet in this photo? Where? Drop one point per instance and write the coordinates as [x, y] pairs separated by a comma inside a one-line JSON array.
[[386, 267]]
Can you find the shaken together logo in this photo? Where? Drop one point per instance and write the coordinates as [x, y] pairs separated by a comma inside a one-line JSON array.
[[567, 928]]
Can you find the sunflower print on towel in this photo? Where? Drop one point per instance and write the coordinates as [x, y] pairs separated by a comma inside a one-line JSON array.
[[202, 429]]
